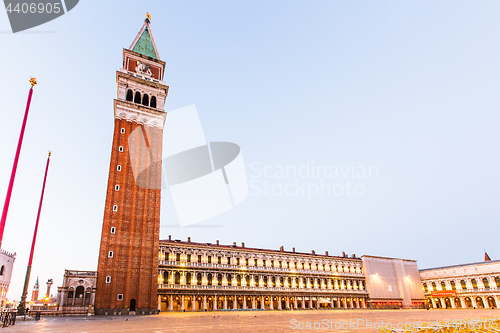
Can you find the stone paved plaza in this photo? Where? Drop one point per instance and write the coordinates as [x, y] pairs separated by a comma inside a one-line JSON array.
[[248, 321]]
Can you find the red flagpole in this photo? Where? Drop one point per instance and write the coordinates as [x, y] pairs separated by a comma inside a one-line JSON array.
[[16, 160], [21, 308]]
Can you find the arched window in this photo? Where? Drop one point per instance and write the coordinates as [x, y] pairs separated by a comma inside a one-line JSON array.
[[486, 283], [265, 281], [177, 278], [463, 285], [79, 292], [198, 279], [165, 277], [443, 285], [474, 284], [2, 269], [497, 280], [219, 279], [153, 102], [281, 282], [238, 280], [425, 287], [130, 95], [453, 286], [209, 279], [247, 280], [434, 286], [145, 100], [188, 278], [137, 98]]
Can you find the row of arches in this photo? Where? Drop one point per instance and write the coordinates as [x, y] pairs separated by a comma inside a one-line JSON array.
[[463, 284], [245, 302], [78, 296], [262, 280], [466, 302], [143, 99]]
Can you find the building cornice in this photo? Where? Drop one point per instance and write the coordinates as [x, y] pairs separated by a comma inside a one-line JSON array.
[[140, 114]]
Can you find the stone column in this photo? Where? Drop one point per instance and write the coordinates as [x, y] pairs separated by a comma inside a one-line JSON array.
[[159, 303], [225, 302], [485, 302], [271, 303], [204, 303], [235, 303], [215, 302], [244, 302], [204, 279], [253, 302], [83, 300], [473, 300], [497, 302], [310, 303], [279, 303], [452, 302], [303, 303], [262, 305], [462, 302], [193, 303], [295, 303], [171, 303], [182, 303], [345, 303], [317, 302], [434, 306]]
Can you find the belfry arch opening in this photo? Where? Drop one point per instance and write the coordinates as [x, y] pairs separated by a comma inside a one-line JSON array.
[[137, 98], [145, 100], [130, 95]]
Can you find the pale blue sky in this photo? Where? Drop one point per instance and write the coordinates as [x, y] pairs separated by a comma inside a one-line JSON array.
[[408, 87]]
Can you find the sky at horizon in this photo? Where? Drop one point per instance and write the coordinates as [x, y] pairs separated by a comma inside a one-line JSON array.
[[406, 90]]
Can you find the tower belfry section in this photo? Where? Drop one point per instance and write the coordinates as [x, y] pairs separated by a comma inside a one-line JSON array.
[[127, 272]]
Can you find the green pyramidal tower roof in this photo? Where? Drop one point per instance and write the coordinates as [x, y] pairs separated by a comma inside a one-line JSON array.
[[145, 45]]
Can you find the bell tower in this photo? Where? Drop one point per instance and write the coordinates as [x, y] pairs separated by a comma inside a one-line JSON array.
[[127, 272]]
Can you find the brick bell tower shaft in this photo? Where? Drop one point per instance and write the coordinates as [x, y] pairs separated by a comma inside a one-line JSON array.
[[127, 272]]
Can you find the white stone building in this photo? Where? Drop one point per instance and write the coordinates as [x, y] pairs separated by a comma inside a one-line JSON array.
[[204, 276], [475, 285], [6, 265], [77, 293]]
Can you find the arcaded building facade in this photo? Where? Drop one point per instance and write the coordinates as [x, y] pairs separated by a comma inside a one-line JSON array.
[[204, 276], [77, 292], [475, 285], [6, 265]]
